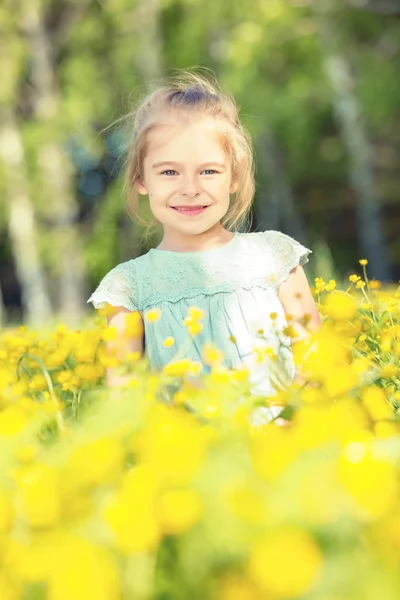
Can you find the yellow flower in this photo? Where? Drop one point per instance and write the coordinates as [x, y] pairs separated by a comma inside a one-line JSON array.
[[89, 372], [177, 368], [290, 331], [135, 530], [211, 355], [38, 382], [363, 262], [354, 278], [319, 284], [7, 513], [168, 342], [57, 358], [331, 285], [372, 482], [12, 420], [389, 371], [9, 590], [153, 315], [101, 461], [109, 334], [196, 313], [83, 571], [193, 326], [375, 284], [374, 400], [179, 511], [86, 351], [340, 307], [360, 284], [134, 325], [39, 498], [286, 563]]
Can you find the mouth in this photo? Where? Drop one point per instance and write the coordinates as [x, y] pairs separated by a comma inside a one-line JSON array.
[[189, 210]]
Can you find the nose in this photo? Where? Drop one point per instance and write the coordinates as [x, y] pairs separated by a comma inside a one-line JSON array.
[[189, 187]]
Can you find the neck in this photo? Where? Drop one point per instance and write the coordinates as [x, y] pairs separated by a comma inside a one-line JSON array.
[[178, 242]]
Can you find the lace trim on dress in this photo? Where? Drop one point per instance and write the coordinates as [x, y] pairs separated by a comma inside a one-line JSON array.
[[117, 288]]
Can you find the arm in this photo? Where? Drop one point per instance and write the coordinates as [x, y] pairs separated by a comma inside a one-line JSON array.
[[297, 301], [133, 342]]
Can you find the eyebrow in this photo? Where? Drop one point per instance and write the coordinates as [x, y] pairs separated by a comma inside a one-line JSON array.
[[176, 164]]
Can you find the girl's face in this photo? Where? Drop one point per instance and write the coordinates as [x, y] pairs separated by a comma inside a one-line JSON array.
[[187, 177]]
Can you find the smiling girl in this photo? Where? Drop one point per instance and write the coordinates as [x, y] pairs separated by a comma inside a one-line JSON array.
[[192, 158]]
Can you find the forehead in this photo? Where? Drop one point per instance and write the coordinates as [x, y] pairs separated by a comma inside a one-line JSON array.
[[185, 141]]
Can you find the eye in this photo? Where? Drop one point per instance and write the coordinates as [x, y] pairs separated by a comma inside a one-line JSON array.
[[210, 171], [169, 172]]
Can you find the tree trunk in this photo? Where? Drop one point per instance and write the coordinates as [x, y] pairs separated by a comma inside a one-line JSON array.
[[55, 168], [354, 135], [21, 223]]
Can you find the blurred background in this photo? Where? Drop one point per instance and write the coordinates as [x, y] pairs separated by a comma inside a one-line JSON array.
[[318, 83]]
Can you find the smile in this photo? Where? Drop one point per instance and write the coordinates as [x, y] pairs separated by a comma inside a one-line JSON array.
[[189, 210]]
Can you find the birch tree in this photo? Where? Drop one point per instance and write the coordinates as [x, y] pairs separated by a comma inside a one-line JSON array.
[[355, 138], [21, 218], [53, 163]]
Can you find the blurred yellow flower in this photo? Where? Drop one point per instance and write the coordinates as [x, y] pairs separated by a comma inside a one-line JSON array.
[[363, 262], [99, 462], [286, 562], [153, 315], [39, 498], [212, 355], [179, 511], [340, 307], [168, 342], [89, 372], [7, 513], [109, 334], [177, 368], [134, 324], [374, 400], [196, 313], [83, 571], [38, 382]]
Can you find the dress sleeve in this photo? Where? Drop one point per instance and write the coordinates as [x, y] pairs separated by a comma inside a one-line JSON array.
[[117, 288], [287, 254]]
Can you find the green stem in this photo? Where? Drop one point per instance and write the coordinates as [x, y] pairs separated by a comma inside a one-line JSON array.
[[59, 417]]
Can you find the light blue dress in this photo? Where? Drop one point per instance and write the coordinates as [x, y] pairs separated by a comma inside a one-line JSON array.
[[236, 285]]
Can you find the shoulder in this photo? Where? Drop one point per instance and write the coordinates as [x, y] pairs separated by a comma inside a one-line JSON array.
[[118, 287], [284, 252]]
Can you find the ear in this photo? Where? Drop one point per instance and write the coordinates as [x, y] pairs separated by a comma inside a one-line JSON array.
[[234, 187], [141, 188]]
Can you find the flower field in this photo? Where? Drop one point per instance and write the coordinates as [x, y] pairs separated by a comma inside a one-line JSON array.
[[164, 491]]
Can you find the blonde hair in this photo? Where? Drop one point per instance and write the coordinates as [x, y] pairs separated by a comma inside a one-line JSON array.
[[185, 94]]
